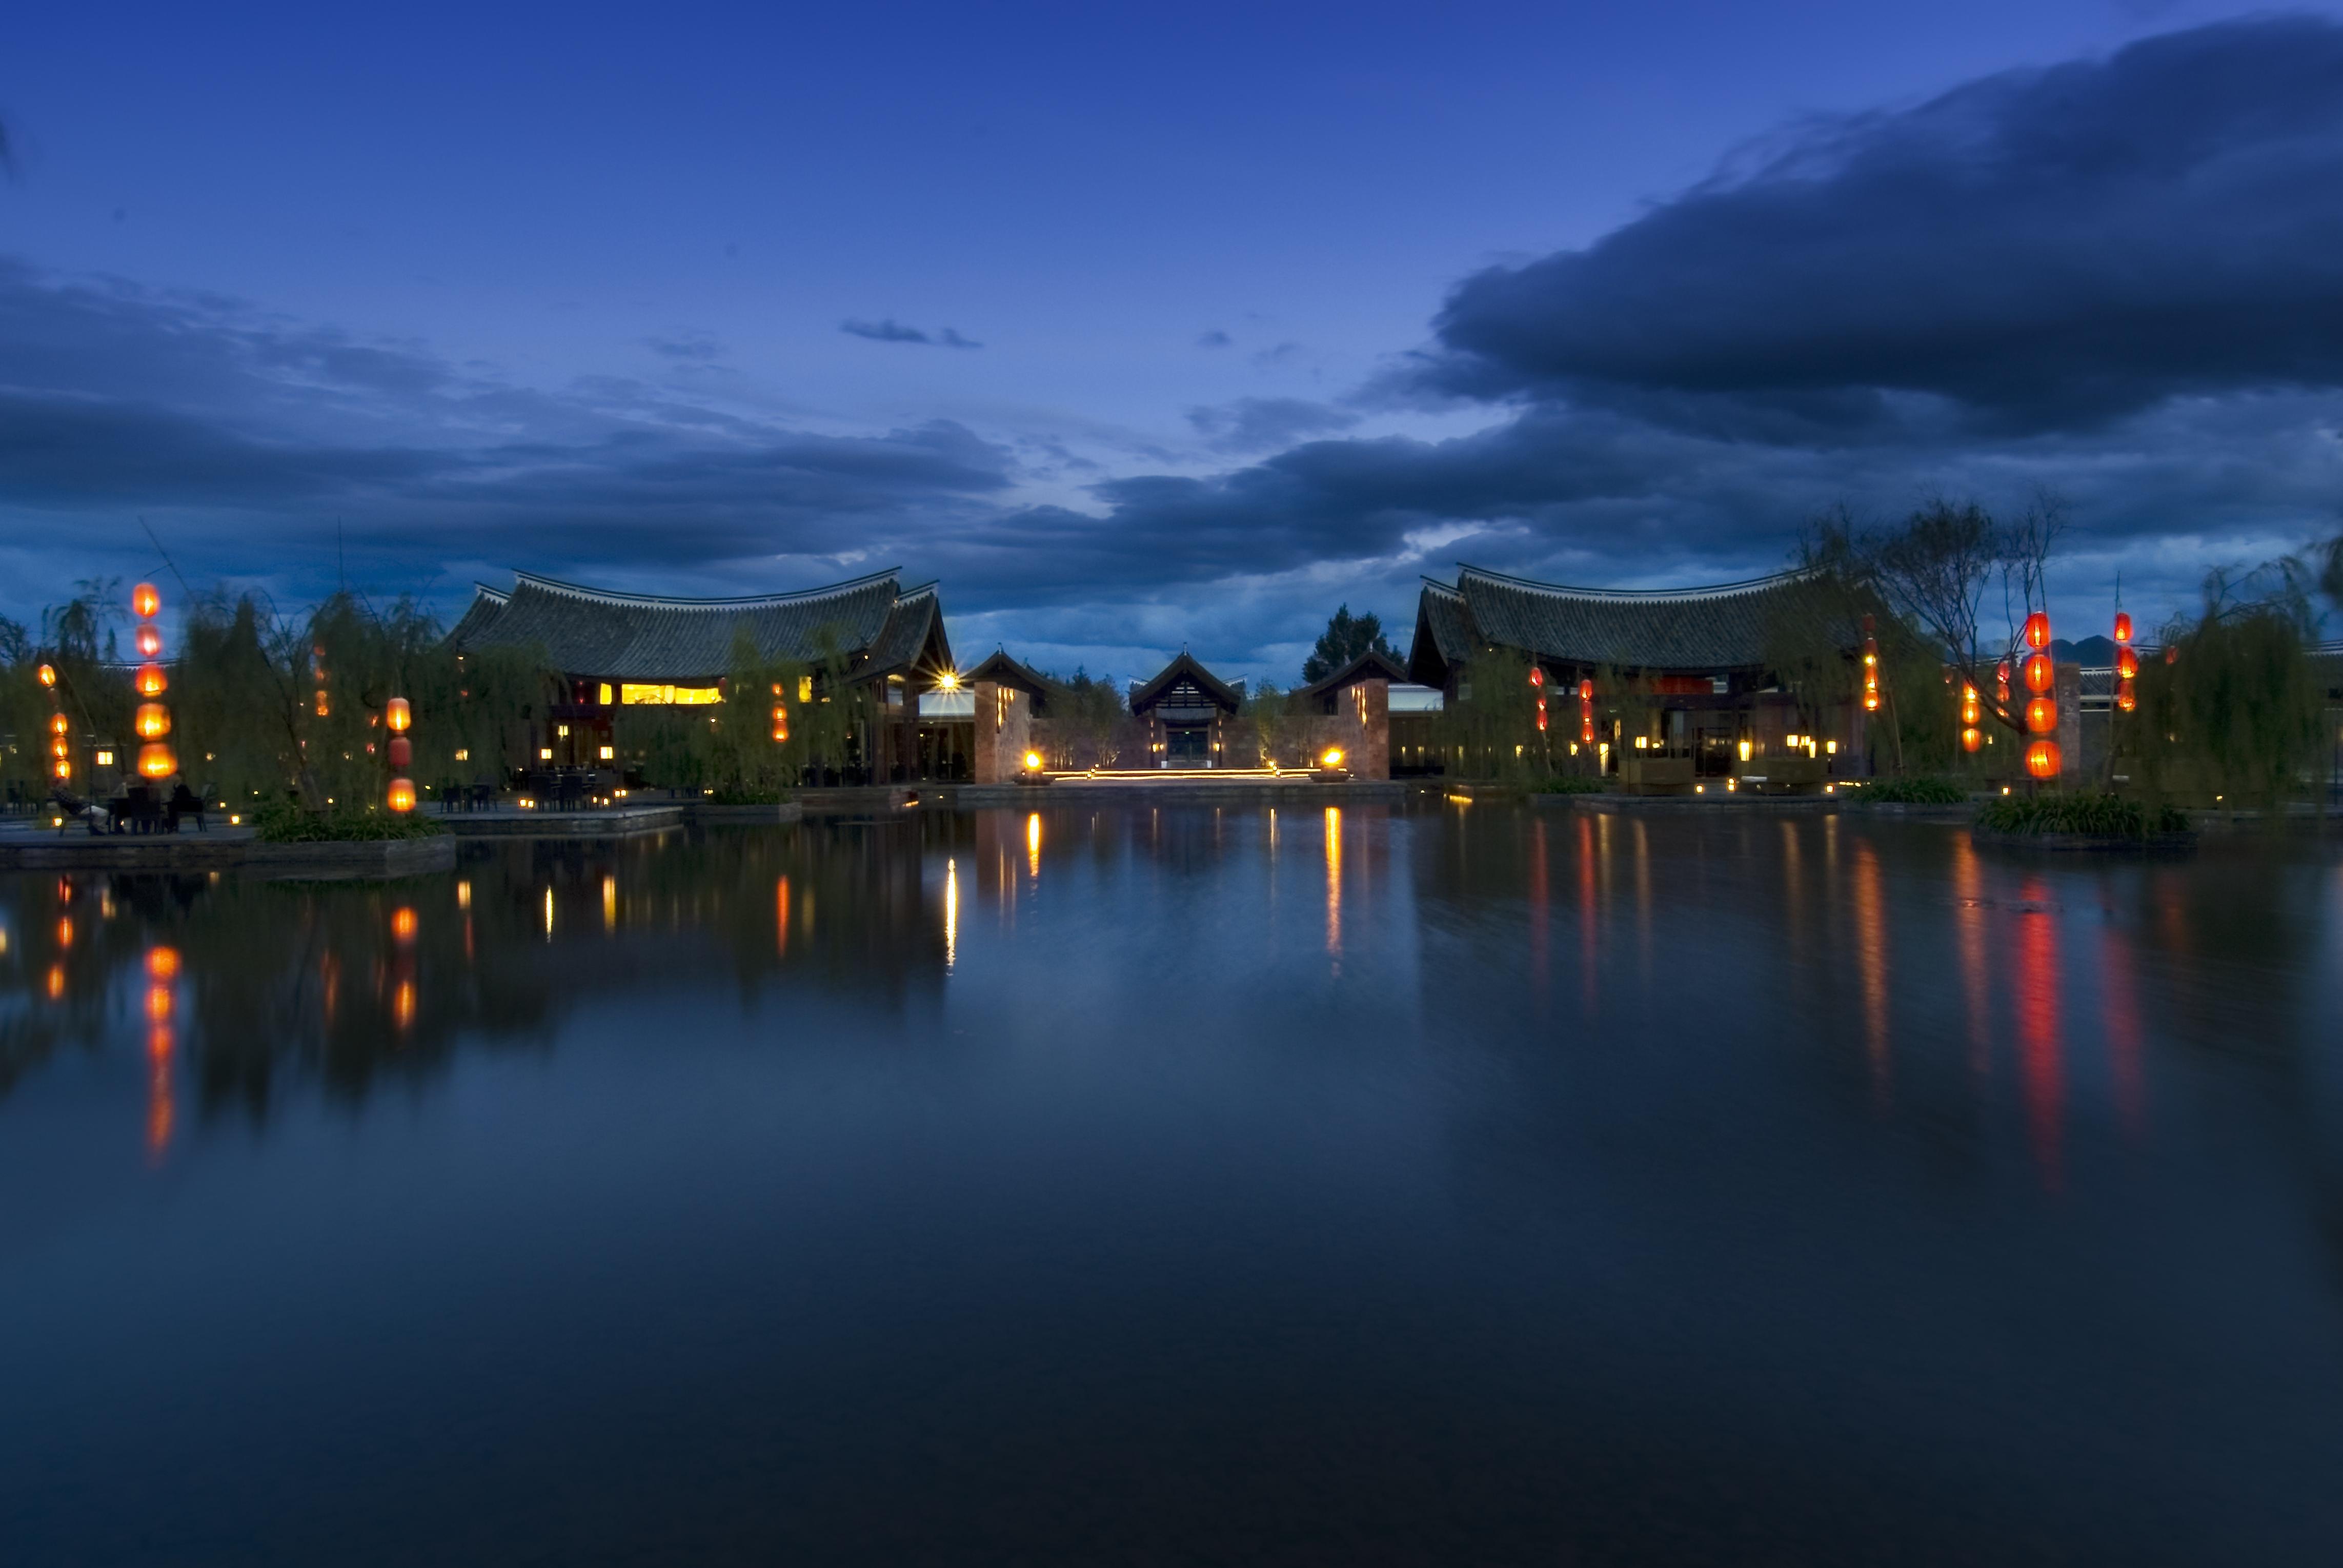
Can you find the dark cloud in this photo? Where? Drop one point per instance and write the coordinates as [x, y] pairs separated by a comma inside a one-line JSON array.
[[1259, 423], [2038, 250], [694, 348], [1214, 339], [889, 330]]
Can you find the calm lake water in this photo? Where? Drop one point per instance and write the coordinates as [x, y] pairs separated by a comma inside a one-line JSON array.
[[1468, 1185]]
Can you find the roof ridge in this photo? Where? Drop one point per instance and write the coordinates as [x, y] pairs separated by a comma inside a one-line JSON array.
[[1711, 590], [662, 601], [494, 595]]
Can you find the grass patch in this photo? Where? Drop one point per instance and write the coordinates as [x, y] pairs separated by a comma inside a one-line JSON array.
[[1921, 791], [2095, 816], [284, 822], [1570, 784]]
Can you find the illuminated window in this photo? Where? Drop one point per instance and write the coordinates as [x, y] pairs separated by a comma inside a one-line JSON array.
[[602, 694], [545, 754], [804, 688], [562, 730], [106, 760], [633, 694], [463, 754], [607, 752]]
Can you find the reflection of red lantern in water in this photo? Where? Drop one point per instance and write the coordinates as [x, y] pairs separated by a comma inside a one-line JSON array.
[[2042, 760], [2038, 631]]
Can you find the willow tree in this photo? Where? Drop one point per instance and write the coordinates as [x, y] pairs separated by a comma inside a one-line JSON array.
[[2235, 714]]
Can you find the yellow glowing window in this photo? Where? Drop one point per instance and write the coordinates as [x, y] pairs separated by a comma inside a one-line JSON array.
[[602, 694], [106, 760], [804, 688], [632, 694]]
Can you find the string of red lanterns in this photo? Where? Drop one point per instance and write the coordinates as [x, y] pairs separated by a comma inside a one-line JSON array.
[[2042, 712], [397, 717], [152, 720], [1870, 666], [2127, 664], [1585, 712], [1537, 684]]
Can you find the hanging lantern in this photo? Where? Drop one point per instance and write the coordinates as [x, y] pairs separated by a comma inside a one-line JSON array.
[[1537, 675], [402, 752], [1970, 712], [2123, 626], [61, 748], [2041, 716], [1972, 739], [1585, 732], [155, 760], [48, 675], [62, 768], [398, 715], [2125, 698], [2041, 675], [58, 723], [2172, 653], [2038, 631], [144, 601], [2042, 760], [149, 640], [1541, 716], [402, 794], [153, 722], [2126, 663], [321, 702], [1586, 692], [150, 680], [1870, 701]]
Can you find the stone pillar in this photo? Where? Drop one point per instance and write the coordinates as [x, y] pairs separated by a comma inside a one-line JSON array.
[[2067, 687], [1370, 705], [1003, 730]]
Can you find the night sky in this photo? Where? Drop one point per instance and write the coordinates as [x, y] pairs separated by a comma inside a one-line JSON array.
[[1174, 327]]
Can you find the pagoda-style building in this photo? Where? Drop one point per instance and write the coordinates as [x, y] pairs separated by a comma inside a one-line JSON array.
[[1186, 709], [1690, 662], [614, 650]]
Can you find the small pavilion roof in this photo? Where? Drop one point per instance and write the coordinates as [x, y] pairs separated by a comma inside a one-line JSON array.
[[878, 625], [1003, 670], [1372, 665], [1221, 695]]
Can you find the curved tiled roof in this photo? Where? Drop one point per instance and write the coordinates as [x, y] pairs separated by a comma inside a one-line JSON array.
[[1216, 690], [1704, 630], [642, 637], [1371, 665]]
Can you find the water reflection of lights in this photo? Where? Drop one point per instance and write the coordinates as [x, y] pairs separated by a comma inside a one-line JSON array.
[[65, 930], [781, 916], [1033, 843], [463, 894], [609, 902], [951, 914], [2043, 1071], [1969, 919], [403, 924], [1871, 956], [549, 913], [1335, 880], [158, 1002], [57, 982], [402, 1004], [159, 1106], [162, 964]]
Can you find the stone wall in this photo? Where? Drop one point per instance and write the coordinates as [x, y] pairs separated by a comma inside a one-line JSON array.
[[1004, 730]]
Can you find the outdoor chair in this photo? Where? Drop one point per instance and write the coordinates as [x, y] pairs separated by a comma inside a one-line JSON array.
[[186, 803]]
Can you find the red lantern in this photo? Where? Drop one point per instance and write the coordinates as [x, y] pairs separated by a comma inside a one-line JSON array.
[[58, 725], [150, 680], [2126, 663], [2123, 626], [2041, 716], [2041, 675], [2172, 653], [2038, 631], [398, 715], [153, 722], [48, 675], [1537, 676], [1586, 692], [402, 794], [402, 752], [1870, 701], [146, 600], [1972, 739], [2042, 760], [149, 642], [1969, 709], [2123, 698], [1585, 732], [155, 760]]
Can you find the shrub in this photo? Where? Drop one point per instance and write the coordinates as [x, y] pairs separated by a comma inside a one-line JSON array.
[[1920, 791], [284, 822], [2096, 816]]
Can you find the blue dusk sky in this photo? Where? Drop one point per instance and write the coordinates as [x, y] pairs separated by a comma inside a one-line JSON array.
[[1151, 326]]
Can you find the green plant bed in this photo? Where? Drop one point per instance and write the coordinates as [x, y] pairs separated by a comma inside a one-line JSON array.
[[1570, 784], [2080, 816], [285, 823], [746, 797], [1922, 791]]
